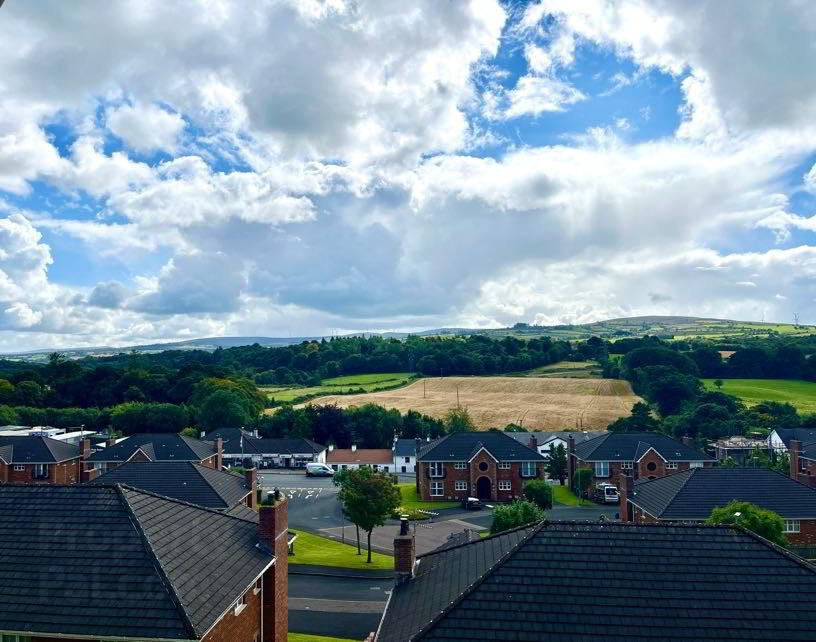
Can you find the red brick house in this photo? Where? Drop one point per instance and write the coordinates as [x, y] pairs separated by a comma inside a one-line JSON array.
[[643, 455], [41, 460], [488, 465], [159, 447], [691, 495], [109, 562]]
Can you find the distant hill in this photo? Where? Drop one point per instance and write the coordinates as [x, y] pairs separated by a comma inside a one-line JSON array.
[[662, 326]]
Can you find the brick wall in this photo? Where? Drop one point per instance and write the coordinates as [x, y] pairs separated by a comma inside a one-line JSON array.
[[640, 469], [471, 476], [66, 472], [273, 525], [243, 627]]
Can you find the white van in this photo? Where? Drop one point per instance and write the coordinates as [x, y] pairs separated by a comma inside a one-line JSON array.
[[318, 470]]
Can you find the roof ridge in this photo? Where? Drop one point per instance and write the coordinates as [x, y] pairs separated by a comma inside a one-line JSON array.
[[691, 472], [222, 513], [165, 579], [535, 528], [483, 539], [601, 439], [776, 547]]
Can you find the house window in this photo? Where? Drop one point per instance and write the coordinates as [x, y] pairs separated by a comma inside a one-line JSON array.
[[627, 465], [528, 469], [505, 485], [671, 465], [19, 467], [601, 469], [791, 526], [436, 469], [257, 588], [696, 464], [403, 469], [406, 459], [461, 485], [40, 471], [437, 489], [241, 604], [460, 465], [504, 465], [483, 466]]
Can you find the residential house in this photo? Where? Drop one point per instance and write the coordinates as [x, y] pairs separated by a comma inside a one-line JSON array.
[[405, 452], [187, 481], [779, 439], [242, 448], [613, 581], [381, 459], [109, 562], [41, 460], [691, 495], [158, 447], [544, 441], [739, 448], [644, 455], [488, 465]]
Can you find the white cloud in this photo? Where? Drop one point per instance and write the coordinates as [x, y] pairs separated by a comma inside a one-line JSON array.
[[145, 128], [810, 180]]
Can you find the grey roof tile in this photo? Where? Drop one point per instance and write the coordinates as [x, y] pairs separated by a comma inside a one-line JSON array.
[[627, 446], [36, 450], [463, 446], [158, 447]]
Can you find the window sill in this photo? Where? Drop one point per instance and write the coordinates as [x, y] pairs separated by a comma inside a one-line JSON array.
[[239, 609]]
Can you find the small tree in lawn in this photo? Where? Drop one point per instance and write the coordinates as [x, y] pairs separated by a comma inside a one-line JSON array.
[[519, 513], [539, 492], [764, 523], [348, 496], [718, 383], [557, 465], [581, 480]]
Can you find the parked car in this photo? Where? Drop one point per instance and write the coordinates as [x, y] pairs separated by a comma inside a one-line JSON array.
[[606, 493], [472, 503], [318, 470]]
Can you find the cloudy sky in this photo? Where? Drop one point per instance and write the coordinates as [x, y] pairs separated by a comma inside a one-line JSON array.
[[193, 168]]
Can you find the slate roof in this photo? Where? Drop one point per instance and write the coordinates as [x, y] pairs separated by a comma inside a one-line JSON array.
[[692, 494], [543, 437], [262, 446], [360, 456], [112, 561], [631, 446], [464, 445], [804, 435], [36, 450], [405, 448], [158, 447], [613, 581], [183, 480]]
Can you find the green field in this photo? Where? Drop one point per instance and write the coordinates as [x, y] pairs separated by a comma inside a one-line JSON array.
[[800, 394], [568, 369], [313, 549], [338, 386]]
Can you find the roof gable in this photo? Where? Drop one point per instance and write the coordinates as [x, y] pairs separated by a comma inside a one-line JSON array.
[[622, 446], [158, 447], [27, 449], [462, 447]]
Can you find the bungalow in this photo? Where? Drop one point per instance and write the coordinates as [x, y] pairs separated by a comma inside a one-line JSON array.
[[158, 447], [644, 455], [779, 439], [488, 465], [242, 448], [692, 494], [41, 460], [679, 582], [109, 562], [377, 458], [187, 481]]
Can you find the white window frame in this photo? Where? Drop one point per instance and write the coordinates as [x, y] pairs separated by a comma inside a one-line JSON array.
[[460, 485], [504, 465], [257, 588], [791, 526], [241, 604], [407, 460], [627, 465], [526, 471], [460, 465], [19, 467], [437, 489], [505, 485], [436, 469], [601, 469], [671, 465], [46, 471], [695, 464]]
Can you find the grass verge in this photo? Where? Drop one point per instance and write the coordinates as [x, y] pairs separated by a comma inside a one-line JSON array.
[[411, 502], [313, 549], [563, 495]]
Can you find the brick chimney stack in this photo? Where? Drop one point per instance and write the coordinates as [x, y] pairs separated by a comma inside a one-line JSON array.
[[688, 441], [625, 490], [534, 443], [794, 449], [219, 450], [251, 480], [110, 442], [85, 448], [570, 461], [404, 553], [273, 531]]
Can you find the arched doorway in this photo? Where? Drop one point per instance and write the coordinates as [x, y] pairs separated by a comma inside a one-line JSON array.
[[483, 488]]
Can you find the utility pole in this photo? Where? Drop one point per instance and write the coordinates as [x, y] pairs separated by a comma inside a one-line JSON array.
[[423, 389], [457, 395]]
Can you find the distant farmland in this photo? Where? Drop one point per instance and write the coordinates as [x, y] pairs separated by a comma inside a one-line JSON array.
[[800, 394], [536, 403]]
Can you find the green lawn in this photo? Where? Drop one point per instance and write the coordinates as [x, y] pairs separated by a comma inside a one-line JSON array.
[[339, 385], [411, 501], [563, 495], [801, 394], [305, 637], [313, 549]]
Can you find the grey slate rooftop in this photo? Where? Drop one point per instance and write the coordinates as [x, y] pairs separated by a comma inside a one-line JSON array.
[[631, 446], [112, 561], [606, 581], [544, 437], [261, 446], [464, 445], [692, 494], [35, 450], [183, 480], [405, 447], [157, 447]]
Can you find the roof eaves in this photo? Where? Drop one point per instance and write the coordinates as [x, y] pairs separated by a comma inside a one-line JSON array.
[[691, 472]]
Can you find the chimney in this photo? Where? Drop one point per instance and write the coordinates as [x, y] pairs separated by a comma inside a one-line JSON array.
[[273, 532], [219, 450], [202, 434], [688, 441], [85, 448], [625, 490], [331, 447], [570, 461], [534, 443], [110, 442], [404, 553], [793, 450], [251, 480], [354, 448], [88, 475]]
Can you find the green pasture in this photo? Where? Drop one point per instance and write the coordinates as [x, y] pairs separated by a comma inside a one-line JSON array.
[[339, 385], [800, 394]]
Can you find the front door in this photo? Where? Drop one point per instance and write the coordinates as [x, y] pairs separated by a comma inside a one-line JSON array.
[[483, 487]]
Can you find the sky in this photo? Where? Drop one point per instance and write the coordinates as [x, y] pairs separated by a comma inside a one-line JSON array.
[[172, 170]]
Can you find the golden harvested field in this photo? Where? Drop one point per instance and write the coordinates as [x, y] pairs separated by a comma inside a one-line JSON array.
[[540, 403]]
